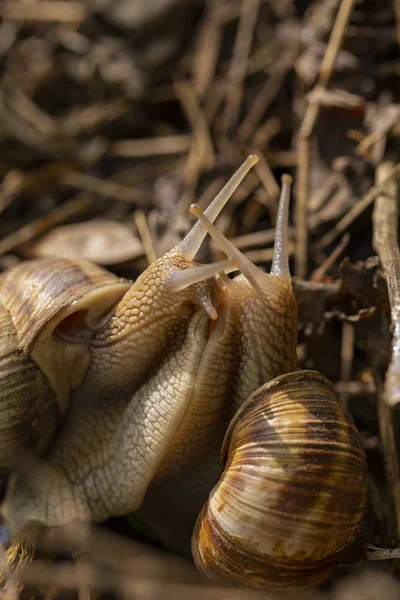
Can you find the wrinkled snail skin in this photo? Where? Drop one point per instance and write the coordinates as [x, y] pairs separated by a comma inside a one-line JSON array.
[[124, 412], [292, 495], [115, 441], [151, 372], [171, 505], [135, 386]]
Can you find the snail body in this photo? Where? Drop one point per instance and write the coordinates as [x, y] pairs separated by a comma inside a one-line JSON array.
[[143, 379]]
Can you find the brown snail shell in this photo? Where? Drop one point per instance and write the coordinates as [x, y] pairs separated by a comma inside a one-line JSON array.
[[46, 309], [29, 410], [292, 496]]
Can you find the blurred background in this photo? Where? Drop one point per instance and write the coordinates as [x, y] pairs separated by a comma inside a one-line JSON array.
[[129, 110], [116, 115]]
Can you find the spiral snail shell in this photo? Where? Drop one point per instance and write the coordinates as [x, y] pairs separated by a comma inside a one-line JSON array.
[[142, 381], [38, 368], [292, 495]]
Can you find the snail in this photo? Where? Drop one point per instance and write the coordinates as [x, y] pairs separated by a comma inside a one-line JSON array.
[[124, 388], [292, 496]]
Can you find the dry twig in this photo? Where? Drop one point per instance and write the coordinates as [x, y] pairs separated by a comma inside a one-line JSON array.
[[168, 144], [59, 215], [319, 273], [59, 11], [306, 130], [103, 187], [385, 220], [145, 236], [201, 155], [357, 209], [207, 49], [238, 66]]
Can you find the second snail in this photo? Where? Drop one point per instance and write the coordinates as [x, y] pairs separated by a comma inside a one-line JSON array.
[[141, 387]]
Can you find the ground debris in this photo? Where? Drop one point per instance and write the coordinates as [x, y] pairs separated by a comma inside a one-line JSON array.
[[126, 112]]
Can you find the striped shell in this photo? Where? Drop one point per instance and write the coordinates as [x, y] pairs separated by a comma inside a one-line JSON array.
[[292, 496], [39, 364], [29, 413]]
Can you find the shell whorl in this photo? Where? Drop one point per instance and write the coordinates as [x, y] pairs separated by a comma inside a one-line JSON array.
[[292, 495], [37, 368], [29, 414], [39, 295], [36, 291]]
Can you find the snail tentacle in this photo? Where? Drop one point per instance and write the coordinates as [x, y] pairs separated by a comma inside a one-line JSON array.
[[292, 494], [142, 380], [180, 280], [192, 242], [280, 260]]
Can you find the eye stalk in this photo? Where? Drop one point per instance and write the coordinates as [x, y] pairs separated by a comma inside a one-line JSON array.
[[180, 280], [280, 261], [249, 270], [192, 242]]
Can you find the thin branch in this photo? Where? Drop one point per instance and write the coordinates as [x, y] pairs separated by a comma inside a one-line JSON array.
[[57, 11], [347, 356], [238, 66], [265, 97], [319, 273], [385, 219], [103, 187], [154, 146], [306, 130], [201, 155], [207, 50], [385, 243], [58, 215], [357, 209], [396, 8], [145, 236]]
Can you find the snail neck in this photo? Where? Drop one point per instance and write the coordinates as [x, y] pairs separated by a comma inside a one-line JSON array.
[[147, 325]]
